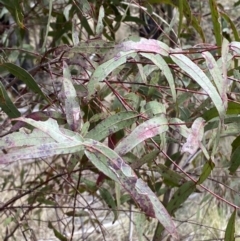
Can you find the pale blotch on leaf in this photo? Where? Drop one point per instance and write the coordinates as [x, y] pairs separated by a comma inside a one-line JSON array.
[[195, 137]]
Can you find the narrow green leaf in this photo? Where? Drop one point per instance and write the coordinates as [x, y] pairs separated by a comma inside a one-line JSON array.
[[154, 108], [57, 233], [8, 221], [45, 201], [198, 75], [180, 196], [216, 74], [100, 156], [216, 140], [216, 22], [105, 69], [19, 16], [232, 25], [111, 125], [191, 19], [66, 142], [15, 8], [69, 95], [93, 47], [140, 221], [163, 66], [235, 160], [181, 14], [107, 197], [80, 213], [230, 230], [112, 165], [6, 104], [170, 177], [21, 139], [24, 76], [235, 144], [147, 129], [41, 151], [207, 168], [233, 109], [51, 128], [85, 23], [48, 24], [100, 25], [66, 11], [148, 158]]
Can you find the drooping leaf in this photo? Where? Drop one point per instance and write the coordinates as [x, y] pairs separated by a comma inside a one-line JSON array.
[[230, 230], [142, 44], [6, 104], [51, 142], [111, 125], [106, 68], [24, 76], [147, 129], [162, 65], [40, 151], [21, 139], [199, 76], [51, 128], [112, 165]]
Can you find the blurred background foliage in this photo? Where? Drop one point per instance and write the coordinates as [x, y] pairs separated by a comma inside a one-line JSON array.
[[66, 197]]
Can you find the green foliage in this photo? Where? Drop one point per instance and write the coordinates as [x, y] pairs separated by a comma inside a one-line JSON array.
[[135, 124]]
